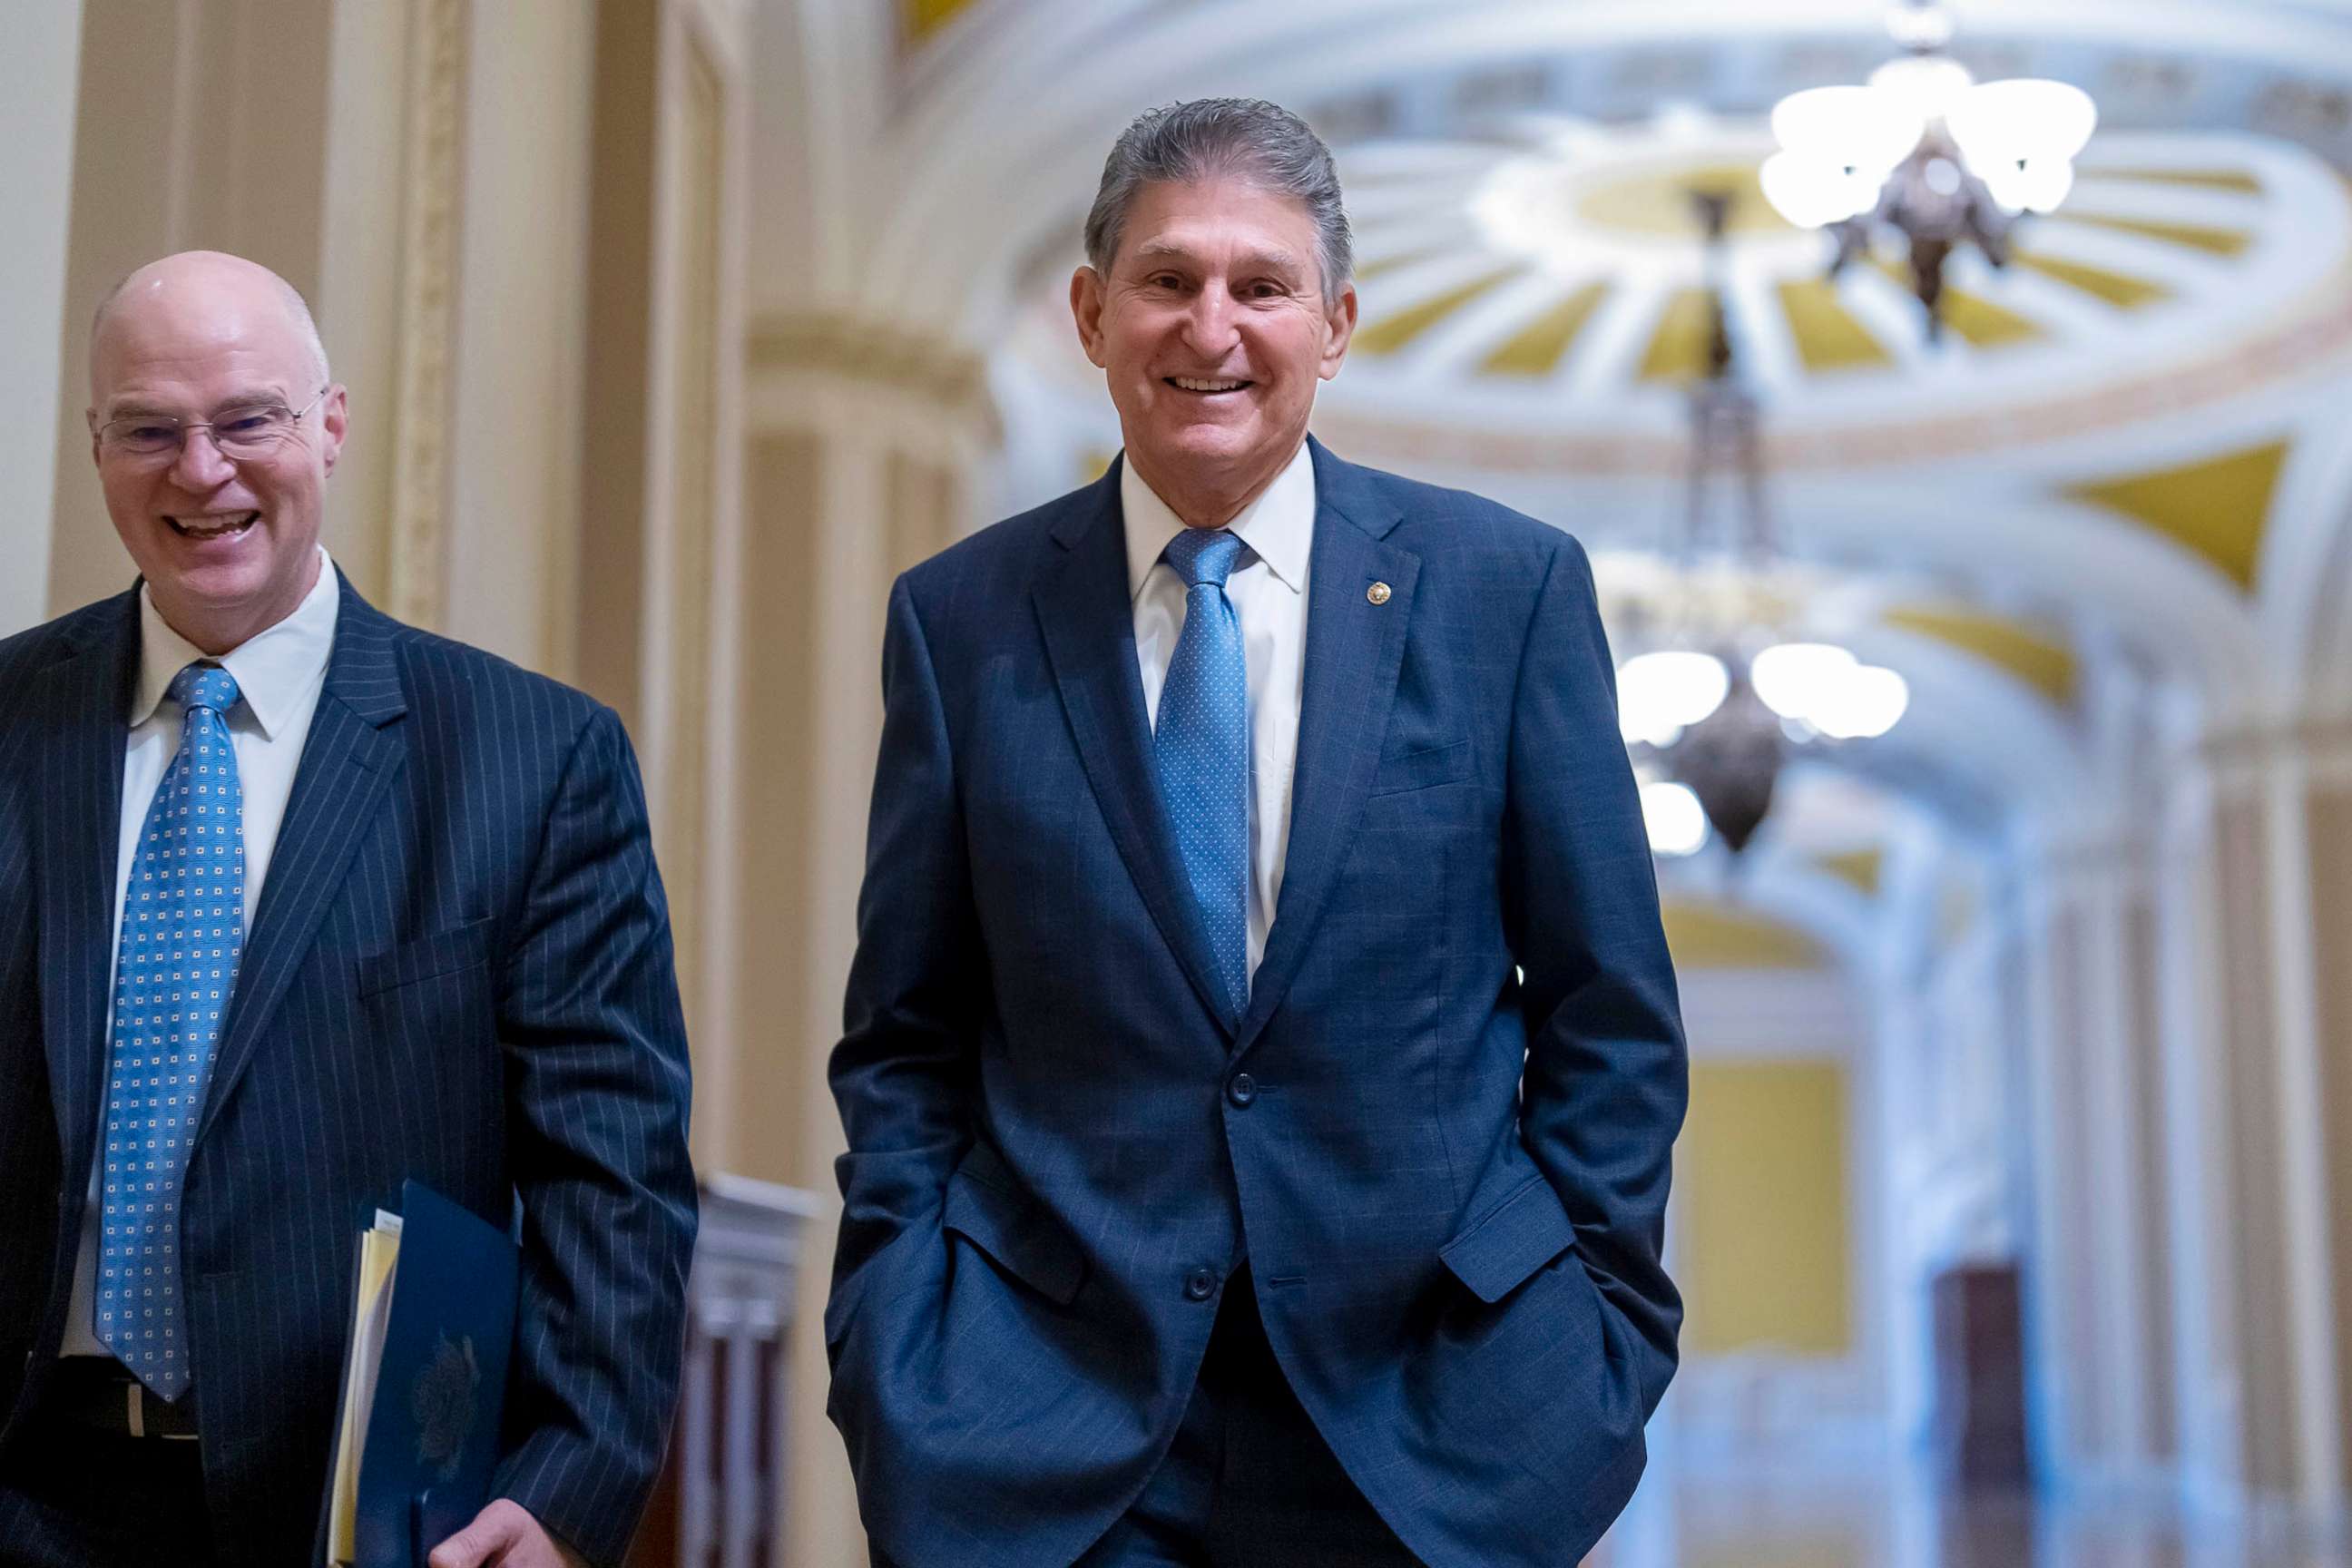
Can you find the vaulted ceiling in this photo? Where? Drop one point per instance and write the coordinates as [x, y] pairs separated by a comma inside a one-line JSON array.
[[2121, 476]]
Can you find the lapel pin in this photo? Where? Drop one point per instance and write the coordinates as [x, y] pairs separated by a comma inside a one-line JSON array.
[[1378, 592]]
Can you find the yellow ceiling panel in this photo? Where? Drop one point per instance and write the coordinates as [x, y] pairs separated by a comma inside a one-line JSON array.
[[1766, 1250], [1389, 332], [2217, 508], [1828, 337], [1982, 324], [924, 17], [1678, 348], [2042, 662], [1858, 868], [1396, 261], [1708, 936], [2191, 236], [2237, 180], [1661, 202], [1538, 348], [2123, 292], [1972, 318]]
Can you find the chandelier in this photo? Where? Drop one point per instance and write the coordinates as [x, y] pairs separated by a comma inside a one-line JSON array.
[[1927, 153], [1726, 684]]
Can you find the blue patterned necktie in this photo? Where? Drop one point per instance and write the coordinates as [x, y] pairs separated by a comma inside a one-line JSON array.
[[1201, 744], [183, 928]]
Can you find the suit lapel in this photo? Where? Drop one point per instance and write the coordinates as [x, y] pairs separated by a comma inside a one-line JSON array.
[[354, 749], [1088, 623], [89, 704], [1354, 649]]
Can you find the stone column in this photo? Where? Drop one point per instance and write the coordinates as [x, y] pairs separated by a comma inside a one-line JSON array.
[[864, 451], [2326, 821], [2061, 1286], [2099, 1315], [2250, 878]]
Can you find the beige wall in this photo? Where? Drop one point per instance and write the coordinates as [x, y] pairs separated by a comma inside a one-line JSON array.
[[37, 139], [1766, 1257], [197, 123], [519, 331]]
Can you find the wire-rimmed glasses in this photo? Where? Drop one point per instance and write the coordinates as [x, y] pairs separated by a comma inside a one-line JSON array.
[[252, 429]]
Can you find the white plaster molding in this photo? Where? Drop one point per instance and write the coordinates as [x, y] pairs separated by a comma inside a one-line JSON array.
[[2208, 1386], [423, 397], [2110, 1129], [2302, 1142]]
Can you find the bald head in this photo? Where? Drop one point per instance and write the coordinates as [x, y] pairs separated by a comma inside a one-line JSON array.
[[215, 428], [205, 290]]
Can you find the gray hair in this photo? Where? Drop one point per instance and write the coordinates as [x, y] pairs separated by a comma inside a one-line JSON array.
[[1264, 143]]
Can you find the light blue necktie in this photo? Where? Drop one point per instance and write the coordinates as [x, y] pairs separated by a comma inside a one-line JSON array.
[[183, 928], [1201, 744]]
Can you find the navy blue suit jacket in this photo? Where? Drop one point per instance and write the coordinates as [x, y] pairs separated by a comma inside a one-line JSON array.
[[459, 972], [1448, 1168]]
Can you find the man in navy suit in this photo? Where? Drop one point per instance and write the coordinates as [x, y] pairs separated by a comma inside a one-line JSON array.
[[1261, 1057], [298, 903]]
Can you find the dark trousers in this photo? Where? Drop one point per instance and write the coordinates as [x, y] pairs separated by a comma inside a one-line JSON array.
[[1248, 1482], [74, 1498]]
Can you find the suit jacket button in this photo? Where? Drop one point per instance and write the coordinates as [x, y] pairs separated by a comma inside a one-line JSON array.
[[1201, 1284], [1242, 1089]]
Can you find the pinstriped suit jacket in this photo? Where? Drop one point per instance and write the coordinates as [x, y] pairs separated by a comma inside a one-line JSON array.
[[1465, 1069], [459, 972]]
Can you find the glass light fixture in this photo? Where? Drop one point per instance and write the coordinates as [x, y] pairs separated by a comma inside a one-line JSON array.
[[1865, 704], [1824, 688], [1669, 690], [1675, 820], [1815, 193], [1709, 725], [1797, 678], [1927, 85], [2021, 139], [1850, 127], [1926, 150]]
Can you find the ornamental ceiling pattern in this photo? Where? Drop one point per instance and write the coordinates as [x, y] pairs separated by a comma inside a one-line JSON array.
[[1555, 283], [2124, 465]]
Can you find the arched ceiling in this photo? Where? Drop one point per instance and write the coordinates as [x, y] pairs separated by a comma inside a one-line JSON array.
[[1554, 281], [2127, 449]]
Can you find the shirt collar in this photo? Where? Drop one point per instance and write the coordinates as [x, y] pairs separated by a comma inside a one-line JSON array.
[[275, 670], [1278, 526]]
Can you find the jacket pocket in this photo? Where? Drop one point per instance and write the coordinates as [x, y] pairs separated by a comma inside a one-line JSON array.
[[1424, 769], [1012, 1229], [1498, 1251], [427, 958]]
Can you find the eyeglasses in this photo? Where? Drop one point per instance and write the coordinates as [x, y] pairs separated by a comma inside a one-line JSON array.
[[242, 430]]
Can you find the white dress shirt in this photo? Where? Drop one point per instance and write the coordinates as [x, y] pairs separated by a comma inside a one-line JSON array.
[[279, 673], [1268, 590]]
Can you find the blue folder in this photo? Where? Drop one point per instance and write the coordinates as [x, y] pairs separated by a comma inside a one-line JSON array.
[[433, 1430]]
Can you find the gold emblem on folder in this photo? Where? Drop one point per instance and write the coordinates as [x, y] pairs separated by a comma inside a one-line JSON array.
[[445, 1402]]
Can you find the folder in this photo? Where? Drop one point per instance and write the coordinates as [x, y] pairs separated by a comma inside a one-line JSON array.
[[424, 1382]]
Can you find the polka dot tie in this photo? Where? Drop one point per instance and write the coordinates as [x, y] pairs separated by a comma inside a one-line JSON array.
[[1202, 744], [183, 928]]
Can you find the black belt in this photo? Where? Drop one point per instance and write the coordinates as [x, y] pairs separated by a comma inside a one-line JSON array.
[[98, 1392]]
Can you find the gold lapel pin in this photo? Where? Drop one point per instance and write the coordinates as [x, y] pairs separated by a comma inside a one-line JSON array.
[[1378, 592]]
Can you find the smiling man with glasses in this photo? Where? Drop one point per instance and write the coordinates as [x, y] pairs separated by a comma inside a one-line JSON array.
[[215, 483], [298, 903]]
